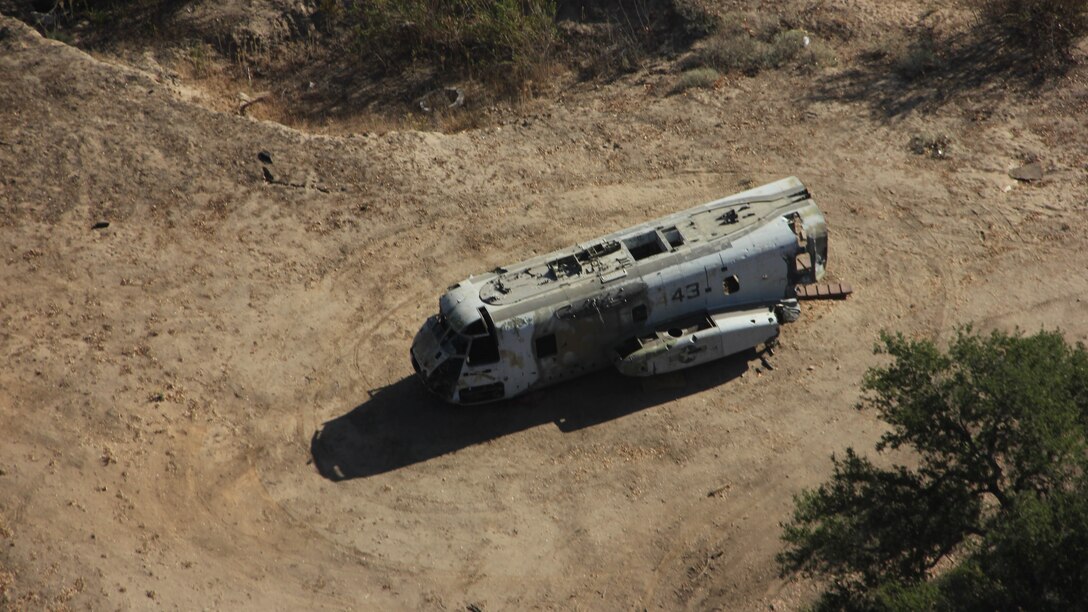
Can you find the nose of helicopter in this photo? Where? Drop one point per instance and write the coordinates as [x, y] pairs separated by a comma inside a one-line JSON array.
[[435, 364]]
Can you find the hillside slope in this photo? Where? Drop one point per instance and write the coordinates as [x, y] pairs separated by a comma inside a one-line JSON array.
[[209, 402]]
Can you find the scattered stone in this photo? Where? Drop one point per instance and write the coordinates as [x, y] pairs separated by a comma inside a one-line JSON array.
[[933, 145], [1028, 172]]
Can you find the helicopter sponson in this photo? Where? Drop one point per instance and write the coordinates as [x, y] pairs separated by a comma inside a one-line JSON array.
[[668, 294]]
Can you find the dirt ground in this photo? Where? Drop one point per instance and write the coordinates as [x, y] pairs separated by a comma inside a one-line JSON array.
[[209, 403]]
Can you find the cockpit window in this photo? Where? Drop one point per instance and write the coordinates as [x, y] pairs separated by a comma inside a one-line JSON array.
[[441, 327], [448, 337], [476, 328], [484, 349], [460, 344]]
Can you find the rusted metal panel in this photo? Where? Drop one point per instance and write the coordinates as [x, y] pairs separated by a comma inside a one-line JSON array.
[[823, 291]]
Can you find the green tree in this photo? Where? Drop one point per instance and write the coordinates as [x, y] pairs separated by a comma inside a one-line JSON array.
[[996, 426]]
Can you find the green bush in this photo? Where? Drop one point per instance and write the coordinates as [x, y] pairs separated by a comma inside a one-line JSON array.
[[1046, 29]]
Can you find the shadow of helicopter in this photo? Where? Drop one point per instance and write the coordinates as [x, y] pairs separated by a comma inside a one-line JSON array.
[[403, 424]]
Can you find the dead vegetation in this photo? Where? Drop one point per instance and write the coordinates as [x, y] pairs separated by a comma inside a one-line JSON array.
[[501, 42], [1047, 30], [697, 78], [751, 42], [372, 65], [329, 59]]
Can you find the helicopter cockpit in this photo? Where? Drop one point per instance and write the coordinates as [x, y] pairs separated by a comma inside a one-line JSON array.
[[456, 340]]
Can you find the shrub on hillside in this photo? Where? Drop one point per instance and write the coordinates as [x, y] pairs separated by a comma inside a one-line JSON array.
[[701, 78], [730, 52], [495, 39], [1047, 29], [752, 42]]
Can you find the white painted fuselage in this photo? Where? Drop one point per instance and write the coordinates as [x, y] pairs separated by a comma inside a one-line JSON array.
[[671, 293]]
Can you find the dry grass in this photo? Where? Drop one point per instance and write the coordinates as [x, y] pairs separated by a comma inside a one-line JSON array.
[[697, 78], [761, 46], [913, 57], [502, 41]]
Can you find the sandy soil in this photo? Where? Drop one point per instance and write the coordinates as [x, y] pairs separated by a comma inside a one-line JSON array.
[[209, 403]]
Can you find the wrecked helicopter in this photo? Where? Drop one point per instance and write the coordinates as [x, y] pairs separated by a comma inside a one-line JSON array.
[[678, 291]]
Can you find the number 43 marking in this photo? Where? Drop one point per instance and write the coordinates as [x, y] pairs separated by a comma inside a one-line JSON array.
[[687, 292]]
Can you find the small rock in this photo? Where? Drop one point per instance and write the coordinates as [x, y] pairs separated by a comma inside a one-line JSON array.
[[1028, 172], [268, 175], [101, 225], [265, 157], [811, 368]]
